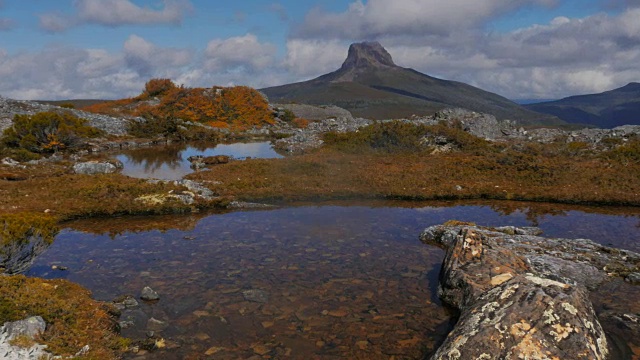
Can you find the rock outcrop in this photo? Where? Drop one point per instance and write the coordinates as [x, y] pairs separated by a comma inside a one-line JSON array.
[[9, 108], [97, 167], [29, 328], [521, 295]]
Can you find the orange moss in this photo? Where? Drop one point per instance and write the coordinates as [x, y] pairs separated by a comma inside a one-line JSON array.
[[73, 318], [238, 108]]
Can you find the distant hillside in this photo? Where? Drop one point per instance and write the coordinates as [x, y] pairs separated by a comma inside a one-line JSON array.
[[371, 85], [605, 110]]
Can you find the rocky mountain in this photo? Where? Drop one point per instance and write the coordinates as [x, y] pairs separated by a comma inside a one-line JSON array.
[[371, 85], [605, 110]]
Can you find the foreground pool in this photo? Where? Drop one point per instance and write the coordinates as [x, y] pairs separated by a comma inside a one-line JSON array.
[[302, 282]]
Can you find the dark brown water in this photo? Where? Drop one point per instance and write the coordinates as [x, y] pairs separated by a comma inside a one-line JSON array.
[[309, 282], [170, 162]]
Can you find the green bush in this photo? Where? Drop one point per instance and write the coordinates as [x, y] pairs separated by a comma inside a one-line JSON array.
[[153, 126], [397, 136], [624, 154], [155, 87], [47, 132], [288, 116]]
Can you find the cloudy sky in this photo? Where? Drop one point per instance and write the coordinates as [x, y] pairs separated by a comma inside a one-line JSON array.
[[521, 49]]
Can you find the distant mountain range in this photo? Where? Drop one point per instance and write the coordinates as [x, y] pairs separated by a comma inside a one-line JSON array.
[[371, 85], [605, 110]]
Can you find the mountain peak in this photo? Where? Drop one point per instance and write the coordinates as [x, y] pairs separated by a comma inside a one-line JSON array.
[[367, 55]]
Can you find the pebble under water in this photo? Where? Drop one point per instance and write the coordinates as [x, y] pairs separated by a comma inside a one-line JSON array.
[[307, 282]]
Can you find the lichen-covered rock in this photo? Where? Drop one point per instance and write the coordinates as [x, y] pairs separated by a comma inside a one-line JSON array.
[[29, 329], [522, 296], [527, 317], [96, 167]]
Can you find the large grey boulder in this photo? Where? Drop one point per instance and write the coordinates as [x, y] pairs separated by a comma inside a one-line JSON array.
[[31, 328], [96, 167], [311, 112]]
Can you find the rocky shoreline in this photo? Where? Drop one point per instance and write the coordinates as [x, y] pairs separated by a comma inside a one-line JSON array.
[[524, 296]]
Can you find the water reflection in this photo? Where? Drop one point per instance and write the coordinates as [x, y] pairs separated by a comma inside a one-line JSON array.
[[170, 162], [302, 282]]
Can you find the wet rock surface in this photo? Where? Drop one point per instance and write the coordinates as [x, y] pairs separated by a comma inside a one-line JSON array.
[[525, 296], [148, 294]]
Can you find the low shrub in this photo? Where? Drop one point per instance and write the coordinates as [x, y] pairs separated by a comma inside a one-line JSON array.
[[73, 318], [624, 154], [47, 132], [397, 136]]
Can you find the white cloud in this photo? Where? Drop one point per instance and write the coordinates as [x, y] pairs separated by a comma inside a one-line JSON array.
[[376, 18], [306, 58], [116, 13], [54, 22], [148, 59], [242, 51], [564, 57]]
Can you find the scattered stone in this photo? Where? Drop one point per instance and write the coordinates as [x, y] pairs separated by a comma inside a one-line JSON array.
[[213, 350], [338, 313], [255, 295], [238, 205], [12, 163], [154, 325], [126, 324], [216, 160], [85, 350], [261, 349], [633, 278], [149, 294]]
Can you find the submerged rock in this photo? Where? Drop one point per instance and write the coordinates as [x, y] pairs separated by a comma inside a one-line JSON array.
[[255, 295], [521, 295], [149, 294]]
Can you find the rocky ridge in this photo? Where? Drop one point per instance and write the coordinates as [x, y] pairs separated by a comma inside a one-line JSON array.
[[482, 125], [9, 108]]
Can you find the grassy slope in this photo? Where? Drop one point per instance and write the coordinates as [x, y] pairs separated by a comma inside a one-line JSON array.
[[399, 92]]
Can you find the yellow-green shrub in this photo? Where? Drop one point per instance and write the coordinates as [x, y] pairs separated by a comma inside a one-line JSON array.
[[47, 132]]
